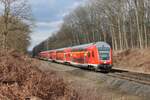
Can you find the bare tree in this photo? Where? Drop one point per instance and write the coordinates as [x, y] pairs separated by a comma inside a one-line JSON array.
[[123, 23], [12, 10]]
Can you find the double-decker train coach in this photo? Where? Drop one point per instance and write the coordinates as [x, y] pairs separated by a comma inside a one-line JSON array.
[[44, 55], [96, 56], [104, 54], [52, 55]]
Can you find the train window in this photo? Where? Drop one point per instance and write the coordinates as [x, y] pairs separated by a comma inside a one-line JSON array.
[[104, 56], [77, 50], [88, 54], [103, 49], [92, 53]]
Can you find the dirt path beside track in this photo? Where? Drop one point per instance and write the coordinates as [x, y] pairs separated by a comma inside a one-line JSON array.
[[90, 85]]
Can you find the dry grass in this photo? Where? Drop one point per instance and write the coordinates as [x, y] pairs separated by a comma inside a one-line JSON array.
[[20, 79], [133, 59]]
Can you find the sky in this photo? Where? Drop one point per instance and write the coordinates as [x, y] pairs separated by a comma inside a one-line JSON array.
[[48, 15]]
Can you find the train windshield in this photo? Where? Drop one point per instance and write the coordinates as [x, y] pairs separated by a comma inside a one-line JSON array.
[[104, 53], [104, 56]]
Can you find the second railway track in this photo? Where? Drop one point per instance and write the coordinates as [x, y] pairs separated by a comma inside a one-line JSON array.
[[131, 76], [136, 77]]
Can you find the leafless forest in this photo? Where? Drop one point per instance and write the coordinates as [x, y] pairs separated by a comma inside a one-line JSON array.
[[122, 23], [15, 23]]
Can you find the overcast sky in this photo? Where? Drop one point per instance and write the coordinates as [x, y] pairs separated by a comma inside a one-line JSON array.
[[48, 16]]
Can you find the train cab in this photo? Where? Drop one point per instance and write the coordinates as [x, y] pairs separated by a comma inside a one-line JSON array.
[[104, 56]]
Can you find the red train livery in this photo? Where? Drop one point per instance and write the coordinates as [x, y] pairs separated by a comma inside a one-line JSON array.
[[94, 55]]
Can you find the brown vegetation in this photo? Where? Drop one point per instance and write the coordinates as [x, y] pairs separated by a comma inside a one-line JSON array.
[[20, 79], [133, 59]]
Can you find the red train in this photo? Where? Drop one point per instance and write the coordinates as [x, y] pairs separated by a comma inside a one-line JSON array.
[[97, 56]]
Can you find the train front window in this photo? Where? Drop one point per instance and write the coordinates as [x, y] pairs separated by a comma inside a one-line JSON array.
[[104, 56], [104, 53]]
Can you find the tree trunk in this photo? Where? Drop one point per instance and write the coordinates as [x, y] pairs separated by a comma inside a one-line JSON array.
[[112, 38], [138, 25], [120, 35]]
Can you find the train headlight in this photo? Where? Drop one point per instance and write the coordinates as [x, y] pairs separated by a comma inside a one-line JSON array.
[[85, 54]]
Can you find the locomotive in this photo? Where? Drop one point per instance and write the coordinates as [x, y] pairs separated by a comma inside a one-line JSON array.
[[97, 56]]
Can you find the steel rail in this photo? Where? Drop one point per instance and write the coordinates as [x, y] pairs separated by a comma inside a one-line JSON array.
[[135, 77]]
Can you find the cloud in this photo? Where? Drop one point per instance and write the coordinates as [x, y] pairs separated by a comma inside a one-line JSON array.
[[76, 4], [43, 31], [52, 25], [49, 16], [38, 37], [56, 23], [72, 7], [38, 2]]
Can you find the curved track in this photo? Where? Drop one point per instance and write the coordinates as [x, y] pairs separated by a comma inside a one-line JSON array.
[[140, 78], [131, 76]]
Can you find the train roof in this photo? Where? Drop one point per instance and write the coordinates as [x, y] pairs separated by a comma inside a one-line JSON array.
[[98, 44], [82, 46]]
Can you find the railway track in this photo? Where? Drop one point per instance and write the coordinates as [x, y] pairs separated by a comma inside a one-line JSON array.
[[131, 76], [140, 78]]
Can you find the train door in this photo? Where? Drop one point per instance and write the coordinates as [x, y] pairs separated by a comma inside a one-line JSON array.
[[86, 57], [93, 59], [67, 57], [65, 54]]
